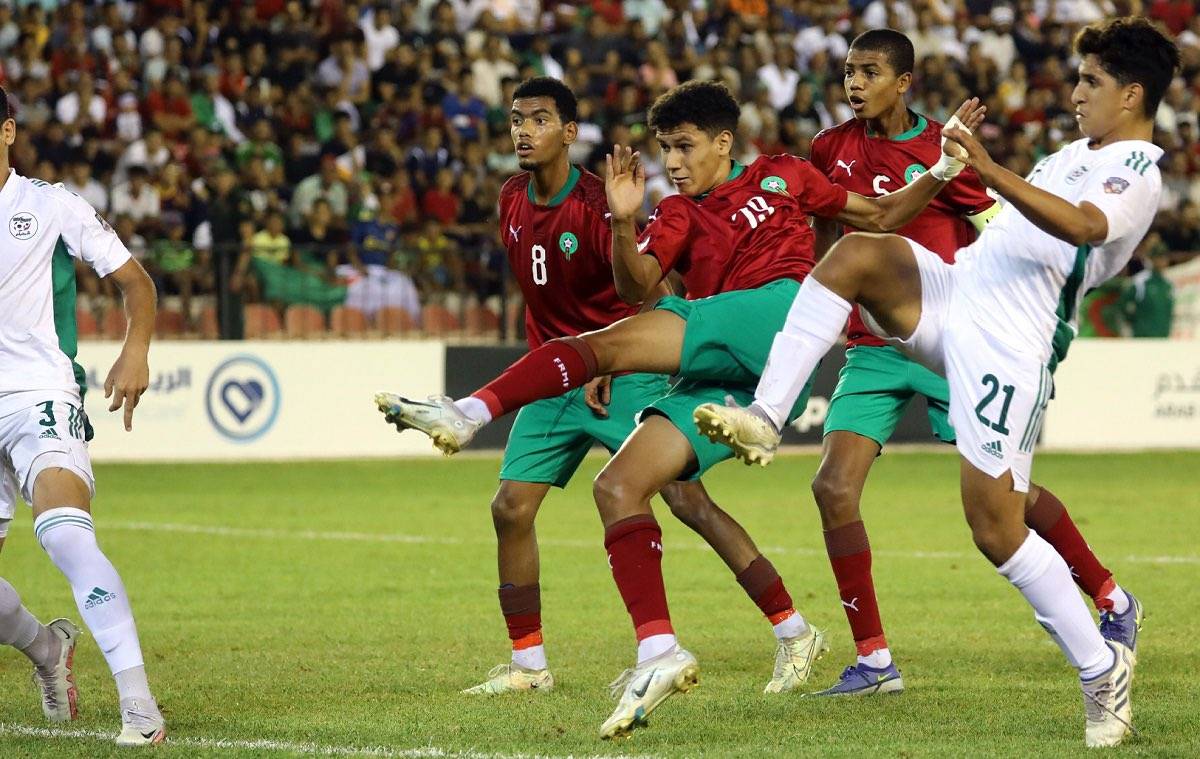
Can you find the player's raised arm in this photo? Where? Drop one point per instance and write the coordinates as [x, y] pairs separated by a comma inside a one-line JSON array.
[[130, 374], [1077, 224], [894, 210], [634, 274]]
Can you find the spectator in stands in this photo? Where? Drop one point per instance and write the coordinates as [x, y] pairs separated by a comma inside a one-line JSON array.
[[137, 199], [1147, 304], [82, 109], [379, 36], [441, 202], [80, 181], [174, 264], [324, 184], [170, 108]]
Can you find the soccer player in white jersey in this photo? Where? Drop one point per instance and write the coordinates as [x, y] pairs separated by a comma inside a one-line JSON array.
[[998, 322], [43, 452]]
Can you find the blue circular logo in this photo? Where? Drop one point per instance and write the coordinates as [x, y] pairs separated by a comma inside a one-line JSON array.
[[242, 398]]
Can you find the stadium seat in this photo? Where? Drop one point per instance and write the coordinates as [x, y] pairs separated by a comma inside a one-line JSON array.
[[348, 322], [85, 323], [438, 320], [304, 322], [169, 323], [480, 320], [261, 322], [394, 322], [113, 324]]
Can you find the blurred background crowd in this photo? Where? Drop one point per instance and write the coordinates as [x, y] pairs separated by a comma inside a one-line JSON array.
[[307, 166]]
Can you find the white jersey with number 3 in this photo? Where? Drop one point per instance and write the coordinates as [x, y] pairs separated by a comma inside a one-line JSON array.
[[45, 228], [1023, 285]]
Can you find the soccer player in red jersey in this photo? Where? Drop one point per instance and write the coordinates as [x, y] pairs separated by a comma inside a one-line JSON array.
[[884, 147], [739, 236], [554, 225]]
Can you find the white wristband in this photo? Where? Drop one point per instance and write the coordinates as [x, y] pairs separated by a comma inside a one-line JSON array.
[[948, 167]]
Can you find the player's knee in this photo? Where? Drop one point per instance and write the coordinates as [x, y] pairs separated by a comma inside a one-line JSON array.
[[690, 508], [510, 511], [836, 499], [611, 490]]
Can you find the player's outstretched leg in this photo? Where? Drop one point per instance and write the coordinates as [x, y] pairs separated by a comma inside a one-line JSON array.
[[68, 536], [994, 510], [653, 456], [647, 342], [514, 509], [877, 271], [50, 647], [799, 645], [1121, 613], [837, 489]]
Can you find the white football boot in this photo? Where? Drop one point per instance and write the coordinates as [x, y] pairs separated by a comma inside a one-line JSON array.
[[141, 723], [449, 429], [753, 439], [1107, 704], [508, 678], [60, 697], [794, 660], [646, 686]]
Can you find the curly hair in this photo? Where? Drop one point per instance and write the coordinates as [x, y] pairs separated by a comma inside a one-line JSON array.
[[1132, 50], [549, 87], [708, 106]]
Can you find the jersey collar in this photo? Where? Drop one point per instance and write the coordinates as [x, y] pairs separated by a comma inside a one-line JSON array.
[[918, 126], [735, 171], [561, 195]]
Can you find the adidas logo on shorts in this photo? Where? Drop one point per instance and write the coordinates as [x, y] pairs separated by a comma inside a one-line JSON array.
[[993, 449]]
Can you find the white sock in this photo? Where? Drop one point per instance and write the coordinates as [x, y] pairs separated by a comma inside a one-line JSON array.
[[877, 659], [533, 657], [1119, 599], [474, 408], [1044, 579], [69, 539], [655, 645], [792, 627], [20, 629], [813, 325], [131, 683]]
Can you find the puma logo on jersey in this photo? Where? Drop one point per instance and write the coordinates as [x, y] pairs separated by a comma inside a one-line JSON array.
[[641, 246], [516, 233], [843, 165]]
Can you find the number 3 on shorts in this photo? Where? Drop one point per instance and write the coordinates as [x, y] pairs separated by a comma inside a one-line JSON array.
[[990, 381]]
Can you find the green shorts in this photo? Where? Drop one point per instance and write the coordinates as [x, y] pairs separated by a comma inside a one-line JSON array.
[[550, 437], [725, 347], [874, 388]]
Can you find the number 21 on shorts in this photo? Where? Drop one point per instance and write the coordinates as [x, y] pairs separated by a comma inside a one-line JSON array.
[[994, 389]]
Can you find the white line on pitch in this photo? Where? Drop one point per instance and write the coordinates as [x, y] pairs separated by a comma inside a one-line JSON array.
[[316, 749], [384, 537]]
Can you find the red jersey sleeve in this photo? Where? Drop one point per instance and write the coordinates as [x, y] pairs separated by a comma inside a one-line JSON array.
[[967, 195], [666, 234], [816, 194], [818, 153]]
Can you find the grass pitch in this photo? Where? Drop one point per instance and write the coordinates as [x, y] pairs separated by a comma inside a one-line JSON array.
[[338, 607]]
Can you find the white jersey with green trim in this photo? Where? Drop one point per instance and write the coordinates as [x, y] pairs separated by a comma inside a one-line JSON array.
[[1024, 285], [46, 227]]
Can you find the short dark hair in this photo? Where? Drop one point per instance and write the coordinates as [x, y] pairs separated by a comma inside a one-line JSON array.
[[896, 47], [1132, 50], [549, 87], [709, 106], [5, 114]]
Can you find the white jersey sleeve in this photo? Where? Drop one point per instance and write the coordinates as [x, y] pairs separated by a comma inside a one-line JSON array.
[[87, 235], [1123, 191]]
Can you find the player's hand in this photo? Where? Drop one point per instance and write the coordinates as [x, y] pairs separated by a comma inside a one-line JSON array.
[[971, 113], [597, 394], [624, 182], [972, 151], [127, 380]]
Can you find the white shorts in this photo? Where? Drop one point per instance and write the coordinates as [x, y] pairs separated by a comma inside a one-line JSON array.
[[998, 395], [43, 436]]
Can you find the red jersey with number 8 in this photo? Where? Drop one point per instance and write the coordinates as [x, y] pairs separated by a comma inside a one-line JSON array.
[[749, 230], [561, 255]]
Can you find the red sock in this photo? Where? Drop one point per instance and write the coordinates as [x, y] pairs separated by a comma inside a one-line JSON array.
[[765, 588], [1049, 518], [522, 610], [544, 372], [634, 548], [850, 555]]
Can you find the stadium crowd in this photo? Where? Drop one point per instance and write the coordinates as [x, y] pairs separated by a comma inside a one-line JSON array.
[[328, 153]]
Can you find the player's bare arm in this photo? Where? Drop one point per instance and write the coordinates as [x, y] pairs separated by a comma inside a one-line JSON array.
[[130, 374], [634, 274], [826, 234], [1077, 224], [892, 211]]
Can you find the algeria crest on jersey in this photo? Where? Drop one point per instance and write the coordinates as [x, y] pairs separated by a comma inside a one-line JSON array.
[[568, 243], [774, 184], [23, 225]]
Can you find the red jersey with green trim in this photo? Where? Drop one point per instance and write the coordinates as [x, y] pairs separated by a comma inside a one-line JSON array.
[[872, 166], [561, 255], [748, 231]]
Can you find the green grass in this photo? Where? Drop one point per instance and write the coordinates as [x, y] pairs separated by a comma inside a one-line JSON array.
[[304, 622]]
